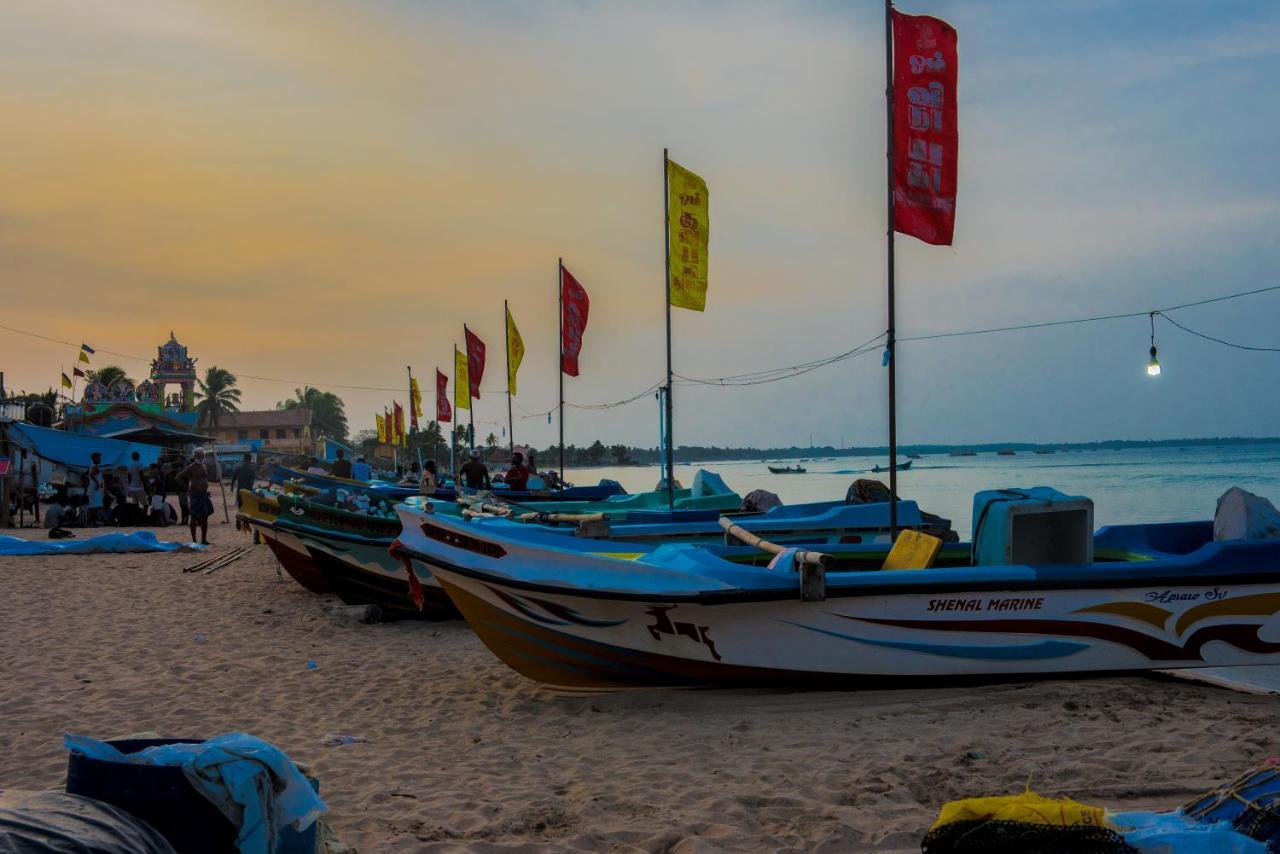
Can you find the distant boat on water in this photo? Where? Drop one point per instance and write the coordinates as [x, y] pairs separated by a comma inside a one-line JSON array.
[[964, 453], [1006, 452], [1043, 451], [901, 467], [787, 469], [913, 456]]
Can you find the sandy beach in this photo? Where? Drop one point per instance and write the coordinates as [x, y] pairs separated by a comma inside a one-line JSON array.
[[463, 754]]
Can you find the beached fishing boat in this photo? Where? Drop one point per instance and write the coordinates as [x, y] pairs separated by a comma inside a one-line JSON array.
[[786, 469], [351, 553], [260, 512], [585, 613], [901, 467], [395, 491]]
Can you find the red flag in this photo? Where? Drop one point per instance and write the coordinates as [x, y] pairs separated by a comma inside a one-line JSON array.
[[925, 130], [399, 421], [475, 362], [76, 372], [444, 412], [574, 307]]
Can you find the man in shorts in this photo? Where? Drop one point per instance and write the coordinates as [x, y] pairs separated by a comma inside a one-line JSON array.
[[195, 479]]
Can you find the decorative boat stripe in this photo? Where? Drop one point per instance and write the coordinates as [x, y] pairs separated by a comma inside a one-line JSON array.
[[1021, 652]]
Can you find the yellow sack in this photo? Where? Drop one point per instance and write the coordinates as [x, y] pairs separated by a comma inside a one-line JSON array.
[[1028, 808]]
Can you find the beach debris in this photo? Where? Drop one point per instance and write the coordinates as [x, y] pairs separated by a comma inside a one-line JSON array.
[[365, 614], [200, 638], [334, 739], [311, 665]]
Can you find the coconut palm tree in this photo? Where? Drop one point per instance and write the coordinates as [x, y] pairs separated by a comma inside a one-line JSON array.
[[218, 396], [327, 415], [107, 375]]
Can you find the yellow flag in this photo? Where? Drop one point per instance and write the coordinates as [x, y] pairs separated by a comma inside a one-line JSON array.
[[415, 397], [66, 381], [382, 428], [515, 352], [84, 357], [461, 384], [689, 230]]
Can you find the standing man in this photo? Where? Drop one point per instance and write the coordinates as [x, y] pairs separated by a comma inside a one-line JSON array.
[[94, 489], [342, 466], [475, 472], [137, 483], [361, 470], [195, 478]]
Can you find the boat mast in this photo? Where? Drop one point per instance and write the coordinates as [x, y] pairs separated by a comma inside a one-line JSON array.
[[560, 356], [890, 335], [506, 329], [666, 240]]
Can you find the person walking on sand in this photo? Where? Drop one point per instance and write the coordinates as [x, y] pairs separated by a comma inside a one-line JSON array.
[[195, 479], [94, 489], [137, 482]]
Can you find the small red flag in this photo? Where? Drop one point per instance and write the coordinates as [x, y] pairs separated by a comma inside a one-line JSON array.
[[399, 421], [444, 412], [926, 133], [574, 307], [475, 362]]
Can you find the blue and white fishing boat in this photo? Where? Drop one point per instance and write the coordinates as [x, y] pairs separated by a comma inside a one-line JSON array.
[[1039, 594], [605, 489]]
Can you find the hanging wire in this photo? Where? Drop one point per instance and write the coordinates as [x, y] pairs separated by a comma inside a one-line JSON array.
[[1208, 337]]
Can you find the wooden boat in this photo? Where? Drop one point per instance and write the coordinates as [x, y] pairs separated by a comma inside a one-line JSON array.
[[583, 613], [1006, 452], [786, 469], [901, 467], [261, 512], [351, 552]]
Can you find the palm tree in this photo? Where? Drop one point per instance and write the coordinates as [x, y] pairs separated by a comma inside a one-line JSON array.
[[218, 396], [107, 375], [327, 415], [491, 441]]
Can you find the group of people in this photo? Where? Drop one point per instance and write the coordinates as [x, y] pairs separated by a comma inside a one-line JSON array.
[[474, 474], [139, 495]]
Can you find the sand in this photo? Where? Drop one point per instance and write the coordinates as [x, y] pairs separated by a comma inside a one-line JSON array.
[[464, 754]]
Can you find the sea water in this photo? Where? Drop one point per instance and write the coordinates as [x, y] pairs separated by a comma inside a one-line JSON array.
[[1164, 484]]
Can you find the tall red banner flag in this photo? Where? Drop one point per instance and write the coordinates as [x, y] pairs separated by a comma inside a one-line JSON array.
[[926, 135], [444, 412], [574, 307], [475, 362]]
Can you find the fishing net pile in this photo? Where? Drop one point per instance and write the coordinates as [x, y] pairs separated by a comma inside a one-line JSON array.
[[1023, 824]]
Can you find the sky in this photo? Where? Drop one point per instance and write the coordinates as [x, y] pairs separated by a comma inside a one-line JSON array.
[[324, 192]]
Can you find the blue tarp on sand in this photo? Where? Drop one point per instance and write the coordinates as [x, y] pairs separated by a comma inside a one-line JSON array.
[[73, 449], [113, 543]]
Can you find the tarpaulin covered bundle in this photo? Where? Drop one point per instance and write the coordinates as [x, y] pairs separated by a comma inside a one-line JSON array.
[[75, 449], [116, 542], [1241, 515], [251, 782], [58, 823], [1177, 833], [1250, 803], [1022, 823]]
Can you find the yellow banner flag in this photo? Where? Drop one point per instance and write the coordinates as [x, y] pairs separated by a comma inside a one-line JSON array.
[[515, 352], [84, 357], [415, 399], [461, 384], [689, 230], [66, 381], [382, 428]]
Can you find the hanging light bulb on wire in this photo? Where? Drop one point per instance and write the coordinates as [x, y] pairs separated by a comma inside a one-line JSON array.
[[1153, 367]]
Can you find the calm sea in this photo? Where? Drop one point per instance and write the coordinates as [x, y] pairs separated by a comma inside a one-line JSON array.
[[1169, 484]]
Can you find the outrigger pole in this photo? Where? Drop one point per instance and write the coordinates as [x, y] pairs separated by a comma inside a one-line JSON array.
[[890, 336], [670, 413]]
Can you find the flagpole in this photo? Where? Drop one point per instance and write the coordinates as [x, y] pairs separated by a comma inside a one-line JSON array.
[[891, 333], [511, 422], [471, 410], [666, 240], [560, 359]]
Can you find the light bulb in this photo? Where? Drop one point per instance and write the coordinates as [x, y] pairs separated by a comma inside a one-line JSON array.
[[1153, 367]]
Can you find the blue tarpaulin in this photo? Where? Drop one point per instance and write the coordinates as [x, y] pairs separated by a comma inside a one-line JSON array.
[[74, 449], [116, 542]]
